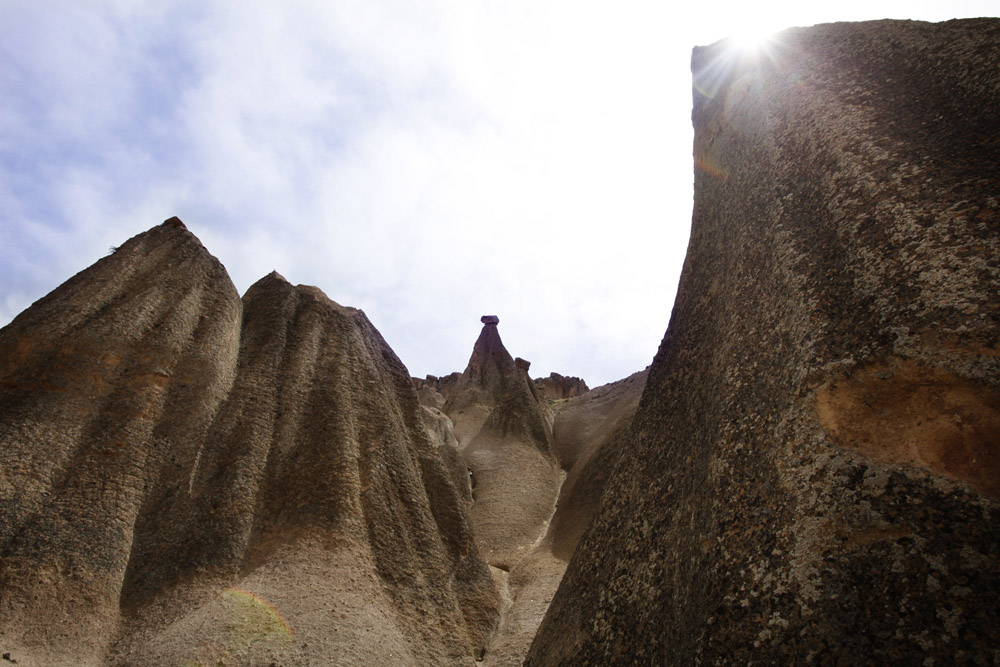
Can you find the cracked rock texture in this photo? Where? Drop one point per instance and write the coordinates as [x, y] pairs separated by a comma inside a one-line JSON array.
[[811, 476], [192, 478]]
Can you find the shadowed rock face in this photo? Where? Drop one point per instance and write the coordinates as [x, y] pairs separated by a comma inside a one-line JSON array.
[[588, 434], [810, 473], [587, 440], [189, 478]]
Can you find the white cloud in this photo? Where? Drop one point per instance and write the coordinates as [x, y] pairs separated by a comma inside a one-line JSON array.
[[425, 161]]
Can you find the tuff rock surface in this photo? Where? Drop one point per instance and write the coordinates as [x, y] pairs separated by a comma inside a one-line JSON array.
[[811, 473], [504, 433], [809, 476], [519, 450], [558, 387], [192, 478]]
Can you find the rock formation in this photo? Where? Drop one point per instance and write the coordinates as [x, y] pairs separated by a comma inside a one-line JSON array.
[[559, 387], [588, 433], [587, 443], [811, 473], [807, 473], [434, 391], [192, 478], [504, 435]]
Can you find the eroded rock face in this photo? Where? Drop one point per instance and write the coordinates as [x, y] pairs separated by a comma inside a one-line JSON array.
[[808, 476], [434, 391], [558, 387], [587, 440], [901, 411], [191, 478], [588, 434], [504, 434], [106, 386]]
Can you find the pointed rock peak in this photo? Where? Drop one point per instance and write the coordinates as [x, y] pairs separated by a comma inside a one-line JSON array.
[[490, 360], [274, 275], [174, 222], [273, 279], [273, 284]]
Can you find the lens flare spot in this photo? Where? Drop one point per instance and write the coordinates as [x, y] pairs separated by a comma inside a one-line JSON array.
[[250, 619], [256, 617]]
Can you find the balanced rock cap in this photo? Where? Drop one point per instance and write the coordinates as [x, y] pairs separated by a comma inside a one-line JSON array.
[[489, 319], [174, 222]]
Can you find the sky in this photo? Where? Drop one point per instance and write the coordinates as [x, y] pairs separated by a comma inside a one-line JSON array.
[[427, 161]]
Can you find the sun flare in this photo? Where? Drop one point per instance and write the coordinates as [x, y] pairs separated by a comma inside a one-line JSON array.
[[753, 36]]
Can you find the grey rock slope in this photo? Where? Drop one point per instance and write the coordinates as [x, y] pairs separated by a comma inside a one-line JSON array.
[[192, 479], [505, 436], [587, 440], [811, 473], [588, 434], [517, 450]]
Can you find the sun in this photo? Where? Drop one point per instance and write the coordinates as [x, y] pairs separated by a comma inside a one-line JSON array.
[[753, 36]]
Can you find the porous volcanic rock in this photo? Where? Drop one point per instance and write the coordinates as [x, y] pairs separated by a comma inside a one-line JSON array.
[[810, 475], [188, 478], [106, 387], [558, 387]]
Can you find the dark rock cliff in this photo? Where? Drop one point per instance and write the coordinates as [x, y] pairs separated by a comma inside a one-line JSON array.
[[811, 474]]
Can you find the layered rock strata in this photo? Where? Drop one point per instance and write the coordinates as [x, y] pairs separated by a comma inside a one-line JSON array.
[[190, 478], [811, 473]]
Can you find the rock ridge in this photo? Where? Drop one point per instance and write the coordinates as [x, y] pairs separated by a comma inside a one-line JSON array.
[[177, 459]]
